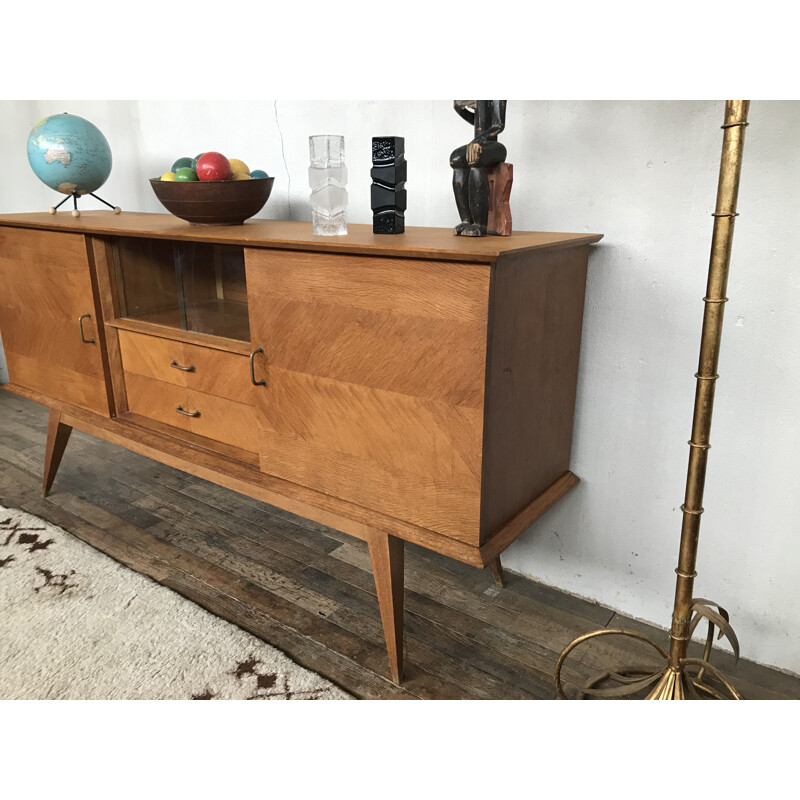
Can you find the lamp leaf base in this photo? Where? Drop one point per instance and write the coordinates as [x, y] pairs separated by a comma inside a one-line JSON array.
[[690, 679]]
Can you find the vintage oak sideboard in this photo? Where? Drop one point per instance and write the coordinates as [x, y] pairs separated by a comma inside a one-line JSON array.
[[418, 387]]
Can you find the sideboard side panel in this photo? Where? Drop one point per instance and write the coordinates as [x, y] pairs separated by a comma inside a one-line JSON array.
[[536, 315]]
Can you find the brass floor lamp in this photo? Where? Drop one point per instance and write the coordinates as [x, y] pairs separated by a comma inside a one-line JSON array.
[[675, 676]]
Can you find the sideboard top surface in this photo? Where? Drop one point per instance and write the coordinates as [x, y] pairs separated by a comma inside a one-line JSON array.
[[438, 243]]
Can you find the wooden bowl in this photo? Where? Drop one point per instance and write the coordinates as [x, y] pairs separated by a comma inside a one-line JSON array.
[[213, 202]]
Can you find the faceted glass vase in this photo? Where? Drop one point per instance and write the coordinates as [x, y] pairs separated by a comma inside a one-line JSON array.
[[327, 177]]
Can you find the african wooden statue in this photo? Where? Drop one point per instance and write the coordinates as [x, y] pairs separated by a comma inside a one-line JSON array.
[[472, 163]]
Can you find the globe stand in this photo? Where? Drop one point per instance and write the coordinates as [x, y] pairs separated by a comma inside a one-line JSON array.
[[75, 196]]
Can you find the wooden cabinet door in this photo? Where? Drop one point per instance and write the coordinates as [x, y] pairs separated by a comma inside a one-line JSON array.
[[375, 371], [45, 286]]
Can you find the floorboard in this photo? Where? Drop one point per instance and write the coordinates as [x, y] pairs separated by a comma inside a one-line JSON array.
[[308, 589]]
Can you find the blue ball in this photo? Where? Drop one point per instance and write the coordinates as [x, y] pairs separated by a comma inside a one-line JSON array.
[[69, 154], [258, 173]]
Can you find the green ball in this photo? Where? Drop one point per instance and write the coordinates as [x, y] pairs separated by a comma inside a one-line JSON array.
[[185, 174], [258, 173], [196, 159], [181, 162]]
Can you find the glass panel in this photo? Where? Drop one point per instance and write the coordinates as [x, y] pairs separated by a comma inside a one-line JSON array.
[[186, 285], [214, 289], [147, 282]]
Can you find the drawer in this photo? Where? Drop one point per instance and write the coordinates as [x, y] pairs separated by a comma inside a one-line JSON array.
[[216, 418], [203, 369]]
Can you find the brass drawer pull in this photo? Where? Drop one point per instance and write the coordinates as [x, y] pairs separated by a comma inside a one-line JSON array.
[[252, 368], [181, 410], [182, 369], [81, 318]]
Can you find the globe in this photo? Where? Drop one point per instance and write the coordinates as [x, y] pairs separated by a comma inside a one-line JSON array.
[[69, 154]]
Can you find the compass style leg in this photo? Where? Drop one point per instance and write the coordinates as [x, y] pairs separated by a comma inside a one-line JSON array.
[[387, 554], [496, 568], [57, 438], [115, 209]]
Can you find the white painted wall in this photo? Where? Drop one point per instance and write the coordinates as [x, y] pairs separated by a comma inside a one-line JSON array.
[[644, 174]]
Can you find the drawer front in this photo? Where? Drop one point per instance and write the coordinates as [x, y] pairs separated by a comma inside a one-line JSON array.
[[216, 418], [376, 371], [203, 369]]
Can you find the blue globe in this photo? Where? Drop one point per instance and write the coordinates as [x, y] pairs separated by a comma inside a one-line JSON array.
[[69, 154]]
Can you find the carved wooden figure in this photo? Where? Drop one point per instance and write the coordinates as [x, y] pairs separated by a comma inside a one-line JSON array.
[[473, 164]]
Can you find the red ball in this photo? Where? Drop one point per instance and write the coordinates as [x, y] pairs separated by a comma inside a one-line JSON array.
[[213, 167]]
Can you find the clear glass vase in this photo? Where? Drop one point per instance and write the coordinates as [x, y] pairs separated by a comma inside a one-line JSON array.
[[327, 177]]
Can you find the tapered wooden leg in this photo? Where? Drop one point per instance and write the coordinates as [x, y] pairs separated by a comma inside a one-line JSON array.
[[387, 554], [57, 438], [496, 568]]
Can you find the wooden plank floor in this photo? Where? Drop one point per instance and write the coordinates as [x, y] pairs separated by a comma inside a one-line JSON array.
[[308, 589]]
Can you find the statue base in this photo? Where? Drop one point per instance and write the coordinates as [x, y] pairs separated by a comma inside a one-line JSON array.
[[500, 180]]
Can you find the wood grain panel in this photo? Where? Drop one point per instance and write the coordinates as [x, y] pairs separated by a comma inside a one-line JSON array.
[[378, 450], [46, 274], [404, 287], [410, 355], [536, 318], [395, 431], [45, 285], [375, 381], [51, 341], [216, 372], [426, 243], [56, 381], [220, 419]]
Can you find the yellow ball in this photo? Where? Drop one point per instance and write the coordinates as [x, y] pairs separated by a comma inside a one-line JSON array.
[[238, 167], [168, 176], [240, 176]]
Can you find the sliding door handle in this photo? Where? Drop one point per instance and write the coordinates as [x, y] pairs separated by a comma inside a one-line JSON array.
[[253, 369], [81, 318]]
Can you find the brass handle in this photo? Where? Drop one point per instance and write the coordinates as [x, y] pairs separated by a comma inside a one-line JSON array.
[[252, 368], [182, 369], [81, 318], [181, 410]]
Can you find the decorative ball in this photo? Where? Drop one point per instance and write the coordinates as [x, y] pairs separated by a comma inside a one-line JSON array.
[[193, 165], [69, 154], [238, 167], [241, 176], [185, 174], [213, 166], [181, 162], [258, 173], [168, 176]]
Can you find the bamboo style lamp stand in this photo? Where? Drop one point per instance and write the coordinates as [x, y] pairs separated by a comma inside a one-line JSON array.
[[678, 677]]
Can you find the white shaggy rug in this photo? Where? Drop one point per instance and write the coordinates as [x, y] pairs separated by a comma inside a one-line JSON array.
[[75, 624]]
